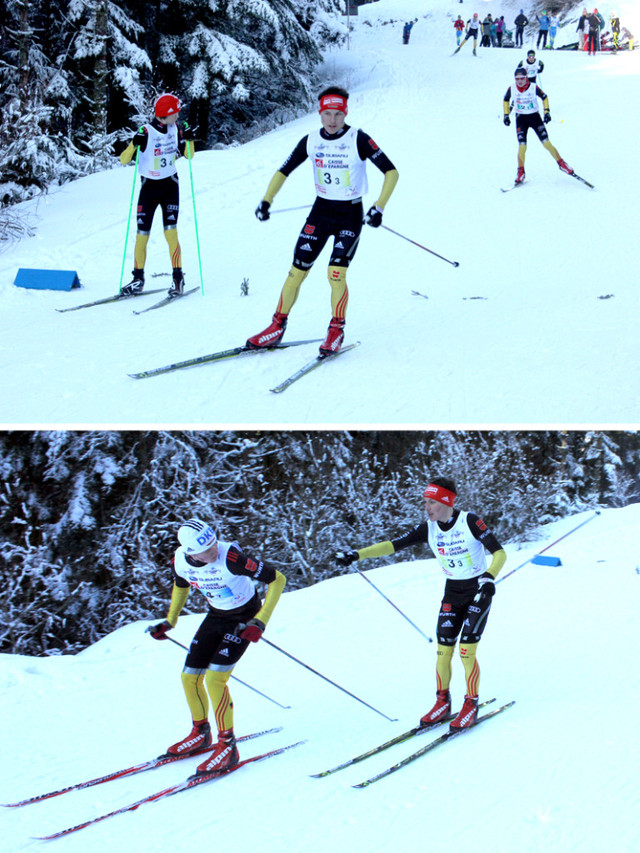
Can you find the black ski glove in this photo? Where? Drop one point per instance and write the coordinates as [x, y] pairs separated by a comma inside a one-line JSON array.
[[262, 211], [187, 132], [547, 117], [140, 139], [345, 558], [507, 120], [486, 584], [374, 217]]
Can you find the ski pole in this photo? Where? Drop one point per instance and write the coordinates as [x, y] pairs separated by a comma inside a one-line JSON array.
[[582, 524], [315, 672], [126, 239], [235, 678], [195, 218], [420, 246], [404, 615]]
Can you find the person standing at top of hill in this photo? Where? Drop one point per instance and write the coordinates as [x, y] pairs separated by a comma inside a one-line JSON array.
[[525, 96], [159, 144], [594, 32], [520, 23], [554, 22], [473, 25], [458, 539], [236, 617], [338, 155], [544, 29]]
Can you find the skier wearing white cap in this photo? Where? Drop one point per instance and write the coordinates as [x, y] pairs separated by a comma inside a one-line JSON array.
[[159, 143], [228, 579], [458, 540]]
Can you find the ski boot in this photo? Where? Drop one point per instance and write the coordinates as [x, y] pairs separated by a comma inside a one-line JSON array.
[[224, 756], [520, 176], [199, 737], [335, 336], [271, 335], [177, 288], [466, 716], [135, 286], [440, 710], [563, 166]]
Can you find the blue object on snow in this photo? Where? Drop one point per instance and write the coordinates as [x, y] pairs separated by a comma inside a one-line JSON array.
[[47, 279], [547, 561]]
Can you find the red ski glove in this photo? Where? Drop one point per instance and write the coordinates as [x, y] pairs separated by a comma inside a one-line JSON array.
[[252, 631], [159, 631]]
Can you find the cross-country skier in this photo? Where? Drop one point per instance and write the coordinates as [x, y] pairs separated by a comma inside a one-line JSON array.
[[160, 143], [532, 66], [473, 25], [228, 580], [458, 540], [338, 155], [525, 101]]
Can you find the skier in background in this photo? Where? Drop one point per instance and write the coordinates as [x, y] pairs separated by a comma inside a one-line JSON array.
[[338, 155], [520, 23], [525, 100], [543, 31], [594, 33], [614, 20], [473, 25], [236, 616], [458, 540], [406, 32], [532, 66], [459, 27], [159, 144]]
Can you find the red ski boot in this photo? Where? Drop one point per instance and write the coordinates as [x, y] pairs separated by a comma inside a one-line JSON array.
[[467, 715], [271, 335], [562, 165], [439, 711], [335, 336], [200, 736], [224, 756], [520, 176]]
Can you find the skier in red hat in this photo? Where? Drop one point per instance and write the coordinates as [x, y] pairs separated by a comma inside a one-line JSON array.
[[458, 539], [159, 144]]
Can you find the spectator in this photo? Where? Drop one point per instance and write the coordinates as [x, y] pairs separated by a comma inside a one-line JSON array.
[[520, 23]]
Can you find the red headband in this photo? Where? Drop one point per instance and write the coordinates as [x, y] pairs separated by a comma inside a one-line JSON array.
[[440, 494], [333, 102]]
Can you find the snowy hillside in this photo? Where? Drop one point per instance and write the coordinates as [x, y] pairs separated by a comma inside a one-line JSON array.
[[534, 327], [557, 772]]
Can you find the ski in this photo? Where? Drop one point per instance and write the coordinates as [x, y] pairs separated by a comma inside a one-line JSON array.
[[578, 178], [311, 365], [167, 300], [217, 356], [417, 730], [188, 784], [432, 745], [512, 187], [117, 298], [160, 761]]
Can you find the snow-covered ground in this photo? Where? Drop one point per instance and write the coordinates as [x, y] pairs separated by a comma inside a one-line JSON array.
[[536, 326], [557, 772]]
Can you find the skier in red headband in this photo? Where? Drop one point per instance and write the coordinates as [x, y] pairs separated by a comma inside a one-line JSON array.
[[458, 539], [338, 155]]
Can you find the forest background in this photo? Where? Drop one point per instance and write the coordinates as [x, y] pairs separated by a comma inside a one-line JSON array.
[[88, 520]]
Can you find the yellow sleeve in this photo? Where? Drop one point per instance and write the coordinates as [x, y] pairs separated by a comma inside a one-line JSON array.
[[189, 149], [127, 154], [382, 549], [506, 106], [390, 181], [498, 559], [274, 591], [545, 104], [275, 185], [179, 595]]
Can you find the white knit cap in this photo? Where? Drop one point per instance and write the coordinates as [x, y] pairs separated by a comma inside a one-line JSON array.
[[196, 536]]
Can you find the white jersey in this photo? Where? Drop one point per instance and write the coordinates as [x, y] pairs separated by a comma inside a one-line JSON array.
[[532, 68], [460, 554], [525, 103], [222, 589], [339, 172], [159, 157]]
